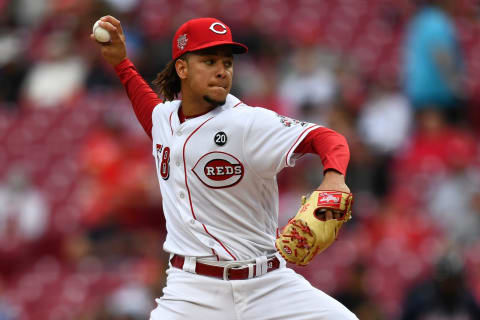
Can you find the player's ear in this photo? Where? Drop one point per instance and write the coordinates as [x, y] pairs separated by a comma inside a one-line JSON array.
[[181, 66]]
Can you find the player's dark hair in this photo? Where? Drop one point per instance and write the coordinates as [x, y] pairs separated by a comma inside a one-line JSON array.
[[168, 82]]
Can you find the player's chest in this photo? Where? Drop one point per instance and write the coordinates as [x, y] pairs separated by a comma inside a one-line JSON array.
[[208, 150]]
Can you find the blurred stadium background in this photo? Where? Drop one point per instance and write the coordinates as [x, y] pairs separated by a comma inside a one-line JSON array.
[[81, 223]]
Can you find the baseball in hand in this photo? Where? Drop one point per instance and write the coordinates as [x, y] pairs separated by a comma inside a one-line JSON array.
[[101, 34]]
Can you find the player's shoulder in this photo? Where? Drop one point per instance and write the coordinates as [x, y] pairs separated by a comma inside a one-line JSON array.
[[243, 114], [241, 107], [256, 113], [262, 117], [165, 108]]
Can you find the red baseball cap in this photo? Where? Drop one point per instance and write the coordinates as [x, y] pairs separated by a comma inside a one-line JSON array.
[[203, 33]]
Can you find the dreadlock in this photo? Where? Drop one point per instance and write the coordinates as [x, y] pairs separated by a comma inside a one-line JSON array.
[[168, 82]]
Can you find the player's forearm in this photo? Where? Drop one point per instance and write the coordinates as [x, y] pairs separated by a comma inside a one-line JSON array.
[[331, 146], [143, 98]]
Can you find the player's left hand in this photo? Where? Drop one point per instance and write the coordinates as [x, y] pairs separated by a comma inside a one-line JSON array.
[[333, 180], [318, 221]]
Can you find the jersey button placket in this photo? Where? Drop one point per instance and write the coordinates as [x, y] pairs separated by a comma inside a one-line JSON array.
[[179, 178]]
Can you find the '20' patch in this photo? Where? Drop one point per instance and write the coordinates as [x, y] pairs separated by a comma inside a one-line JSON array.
[[218, 170]]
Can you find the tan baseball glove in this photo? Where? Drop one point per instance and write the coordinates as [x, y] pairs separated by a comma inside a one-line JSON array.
[[309, 233]]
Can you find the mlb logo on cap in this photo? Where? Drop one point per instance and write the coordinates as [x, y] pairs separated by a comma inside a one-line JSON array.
[[202, 33]]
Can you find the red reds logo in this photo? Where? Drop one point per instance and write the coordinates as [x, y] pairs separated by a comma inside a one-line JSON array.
[[218, 170]]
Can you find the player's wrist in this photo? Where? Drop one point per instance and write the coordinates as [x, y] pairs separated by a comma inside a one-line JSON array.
[[333, 180], [123, 63], [333, 172], [333, 176]]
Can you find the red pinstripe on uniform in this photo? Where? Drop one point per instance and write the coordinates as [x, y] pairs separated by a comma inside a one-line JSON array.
[[170, 121], [188, 189]]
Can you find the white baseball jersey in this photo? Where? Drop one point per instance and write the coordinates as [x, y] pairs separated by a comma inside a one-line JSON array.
[[217, 175]]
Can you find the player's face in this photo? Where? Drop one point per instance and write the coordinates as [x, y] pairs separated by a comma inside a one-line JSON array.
[[210, 74]]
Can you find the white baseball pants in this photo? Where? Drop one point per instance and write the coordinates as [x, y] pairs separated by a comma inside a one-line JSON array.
[[281, 294]]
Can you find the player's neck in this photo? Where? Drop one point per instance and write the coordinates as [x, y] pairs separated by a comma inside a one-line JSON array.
[[193, 106], [183, 117]]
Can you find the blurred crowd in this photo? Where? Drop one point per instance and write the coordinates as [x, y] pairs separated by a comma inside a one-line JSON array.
[[81, 222]]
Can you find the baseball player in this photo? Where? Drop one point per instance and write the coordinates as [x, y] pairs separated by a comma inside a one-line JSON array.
[[216, 160]]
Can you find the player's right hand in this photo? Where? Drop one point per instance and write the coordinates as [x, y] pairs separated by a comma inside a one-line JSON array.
[[116, 50]]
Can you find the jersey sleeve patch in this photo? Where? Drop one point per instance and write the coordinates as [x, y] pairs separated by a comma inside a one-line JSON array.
[[289, 122]]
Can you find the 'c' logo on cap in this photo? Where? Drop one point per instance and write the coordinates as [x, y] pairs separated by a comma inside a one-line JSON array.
[[221, 25]]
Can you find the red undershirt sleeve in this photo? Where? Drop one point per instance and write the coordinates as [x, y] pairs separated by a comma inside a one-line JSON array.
[[143, 98], [331, 146]]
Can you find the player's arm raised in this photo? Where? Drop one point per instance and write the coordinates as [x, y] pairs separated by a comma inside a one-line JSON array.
[[114, 51], [143, 98]]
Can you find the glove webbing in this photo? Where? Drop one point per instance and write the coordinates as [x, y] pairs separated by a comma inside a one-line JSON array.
[[295, 235]]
